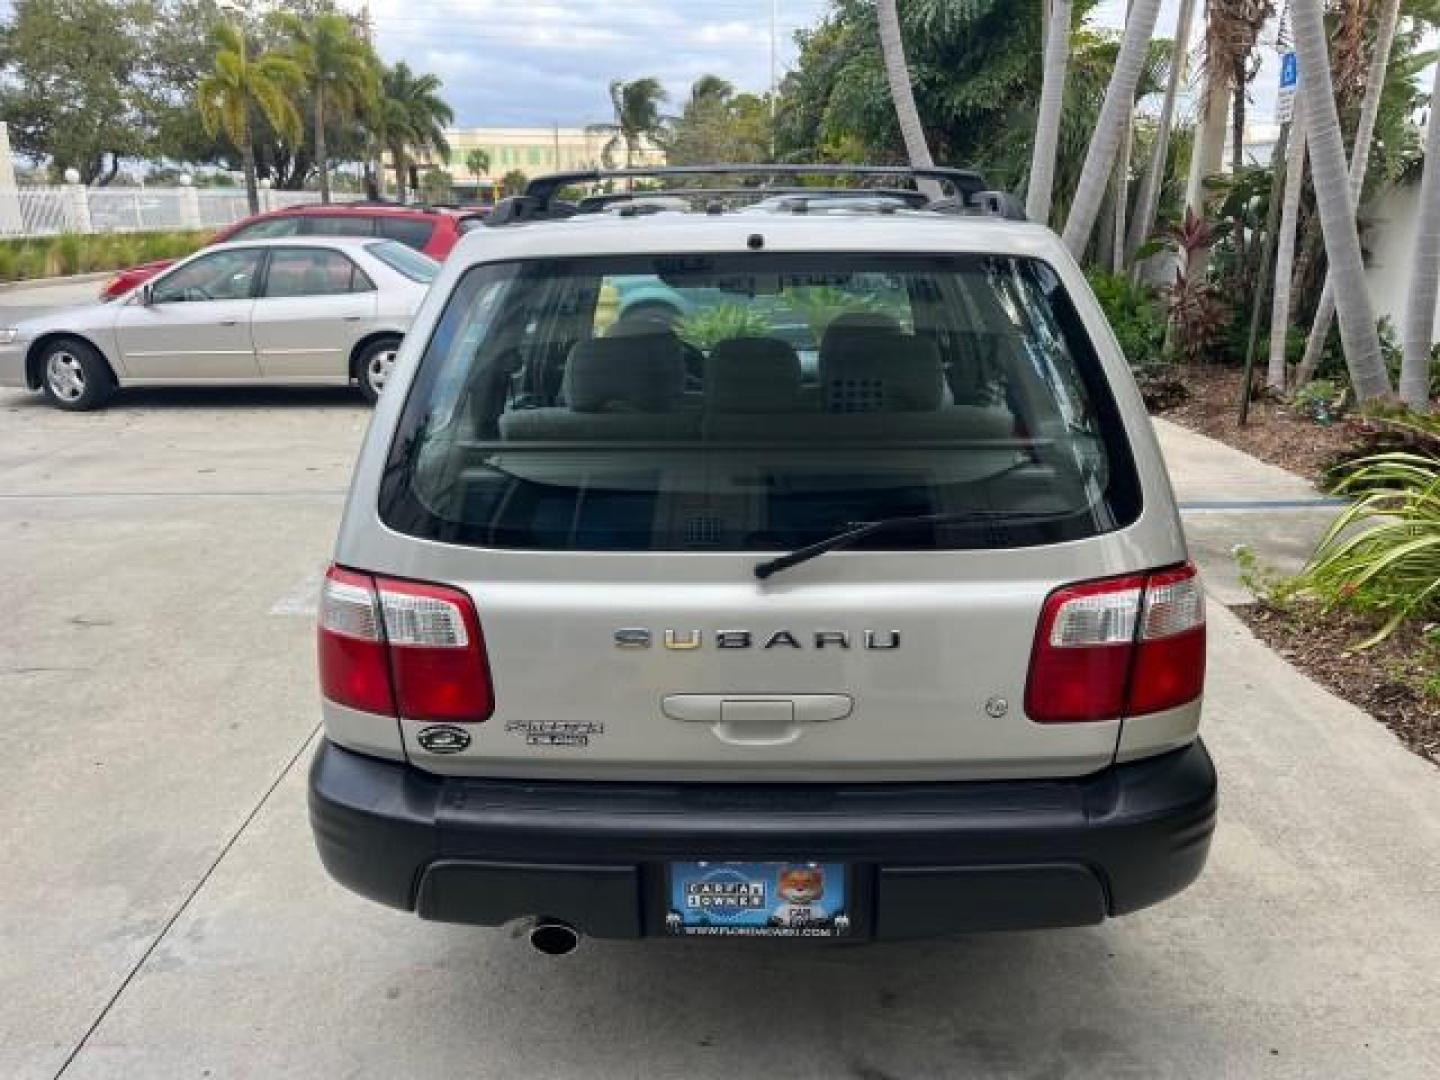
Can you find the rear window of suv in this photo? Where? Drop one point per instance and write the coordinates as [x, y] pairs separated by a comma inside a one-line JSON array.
[[758, 402]]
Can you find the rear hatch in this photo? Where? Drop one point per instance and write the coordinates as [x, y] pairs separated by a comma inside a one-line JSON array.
[[600, 490]]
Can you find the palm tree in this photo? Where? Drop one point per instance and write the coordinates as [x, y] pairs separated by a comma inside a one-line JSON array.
[[1419, 336], [1147, 202], [902, 94], [1109, 128], [230, 95], [637, 117], [411, 116], [1040, 190], [1285, 254], [1359, 161], [339, 67], [477, 164], [1335, 207], [710, 90]]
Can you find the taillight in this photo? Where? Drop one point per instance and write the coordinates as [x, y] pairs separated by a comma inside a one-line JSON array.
[[402, 648], [1117, 647]]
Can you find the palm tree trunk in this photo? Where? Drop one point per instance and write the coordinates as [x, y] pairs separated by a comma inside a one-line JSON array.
[[1122, 195], [397, 154], [1335, 207], [1285, 254], [1039, 193], [1419, 336], [897, 72], [1119, 99], [1148, 201], [1359, 162], [247, 164], [322, 158]]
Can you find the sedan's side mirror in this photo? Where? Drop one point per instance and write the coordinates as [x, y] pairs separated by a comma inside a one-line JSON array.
[[147, 295]]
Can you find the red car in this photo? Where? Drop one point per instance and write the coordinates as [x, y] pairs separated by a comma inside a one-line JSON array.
[[432, 231]]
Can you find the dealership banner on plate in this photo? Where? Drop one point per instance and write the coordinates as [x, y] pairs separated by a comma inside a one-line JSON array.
[[758, 899]]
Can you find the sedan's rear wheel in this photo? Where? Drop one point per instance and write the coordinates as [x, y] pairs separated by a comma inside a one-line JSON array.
[[373, 367], [74, 376]]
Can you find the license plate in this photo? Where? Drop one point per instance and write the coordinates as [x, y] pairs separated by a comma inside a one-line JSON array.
[[758, 899]]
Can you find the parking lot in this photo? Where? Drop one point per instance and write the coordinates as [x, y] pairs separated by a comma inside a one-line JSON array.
[[162, 912]]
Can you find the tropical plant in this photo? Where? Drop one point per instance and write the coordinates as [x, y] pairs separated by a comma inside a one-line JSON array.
[[902, 95], [340, 72], [240, 86], [1359, 163], [410, 117], [1383, 552], [636, 108], [1111, 124], [513, 182], [717, 124], [1335, 207], [709, 90], [705, 329], [477, 163], [435, 185], [1039, 192], [1136, 315], [1198, 315]]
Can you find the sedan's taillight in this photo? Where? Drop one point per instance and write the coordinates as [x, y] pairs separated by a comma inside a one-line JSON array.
[[1116, 647], [402, 648]]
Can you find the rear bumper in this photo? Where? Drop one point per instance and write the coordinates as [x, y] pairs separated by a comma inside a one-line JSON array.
[[927, 858]]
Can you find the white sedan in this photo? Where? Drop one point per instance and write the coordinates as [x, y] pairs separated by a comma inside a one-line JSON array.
[[294, 310]]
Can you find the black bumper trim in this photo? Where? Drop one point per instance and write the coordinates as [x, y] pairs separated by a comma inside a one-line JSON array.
[[927, 857]]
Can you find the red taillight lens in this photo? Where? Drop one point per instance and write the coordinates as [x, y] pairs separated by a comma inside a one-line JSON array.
[[1118, 647], [402, 648]]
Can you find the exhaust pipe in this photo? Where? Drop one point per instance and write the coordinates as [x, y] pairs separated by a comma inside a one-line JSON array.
[[553, 937]]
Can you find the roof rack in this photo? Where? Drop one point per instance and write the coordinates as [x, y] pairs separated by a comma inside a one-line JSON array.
[[966, 192]]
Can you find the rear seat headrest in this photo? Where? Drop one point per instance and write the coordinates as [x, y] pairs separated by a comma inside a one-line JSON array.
[[640, 373], [853, 323], [878, 371], [754, 375]]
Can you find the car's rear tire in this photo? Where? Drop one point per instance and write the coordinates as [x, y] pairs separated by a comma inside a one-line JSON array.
[[73, 375], [373, 365]]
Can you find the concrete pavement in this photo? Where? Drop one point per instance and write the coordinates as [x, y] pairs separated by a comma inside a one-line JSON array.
[[162, 912]]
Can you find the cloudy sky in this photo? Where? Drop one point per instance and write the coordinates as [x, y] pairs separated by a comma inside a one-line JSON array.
[[538, 62]]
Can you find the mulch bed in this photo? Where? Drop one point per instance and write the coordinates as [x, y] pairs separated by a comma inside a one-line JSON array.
[[1274, 432], [1389, 680]]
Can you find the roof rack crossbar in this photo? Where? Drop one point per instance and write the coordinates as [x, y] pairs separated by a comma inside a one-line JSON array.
[[609, 198], [962, 182]]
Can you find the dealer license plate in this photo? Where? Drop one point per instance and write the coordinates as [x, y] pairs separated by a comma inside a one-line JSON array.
[[758, 899]]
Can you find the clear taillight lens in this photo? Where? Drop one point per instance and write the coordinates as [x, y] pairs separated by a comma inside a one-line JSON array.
[[1118, 647], [402, 648]]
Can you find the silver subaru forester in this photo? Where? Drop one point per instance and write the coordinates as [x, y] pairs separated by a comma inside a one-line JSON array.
[[762, 560]]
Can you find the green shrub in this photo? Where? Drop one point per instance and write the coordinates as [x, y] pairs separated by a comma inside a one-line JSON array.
[[76, 253], [706, 328], [1136, 315], [1321, 400], [1383, 553]]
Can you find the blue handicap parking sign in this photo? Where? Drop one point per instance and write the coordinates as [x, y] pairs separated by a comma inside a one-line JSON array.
[[1289, 70]]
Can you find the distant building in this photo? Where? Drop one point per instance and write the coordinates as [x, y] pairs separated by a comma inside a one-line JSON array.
[[532, 151]]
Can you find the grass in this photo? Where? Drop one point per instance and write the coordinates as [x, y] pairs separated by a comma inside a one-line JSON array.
[[77, 253]]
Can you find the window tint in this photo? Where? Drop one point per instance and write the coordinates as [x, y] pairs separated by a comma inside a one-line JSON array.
[[403, 260], [759, 402], [312, 272], [223, 275], [260, 230], [339, 225], [412, 232]]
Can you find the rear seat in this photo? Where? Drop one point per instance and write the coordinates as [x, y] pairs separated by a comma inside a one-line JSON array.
[[630, 386], [877, 384]]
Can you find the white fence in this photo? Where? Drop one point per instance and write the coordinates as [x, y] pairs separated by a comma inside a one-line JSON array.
[[74, 208]]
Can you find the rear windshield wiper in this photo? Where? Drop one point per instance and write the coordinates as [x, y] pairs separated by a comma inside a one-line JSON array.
[[856, 531]]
